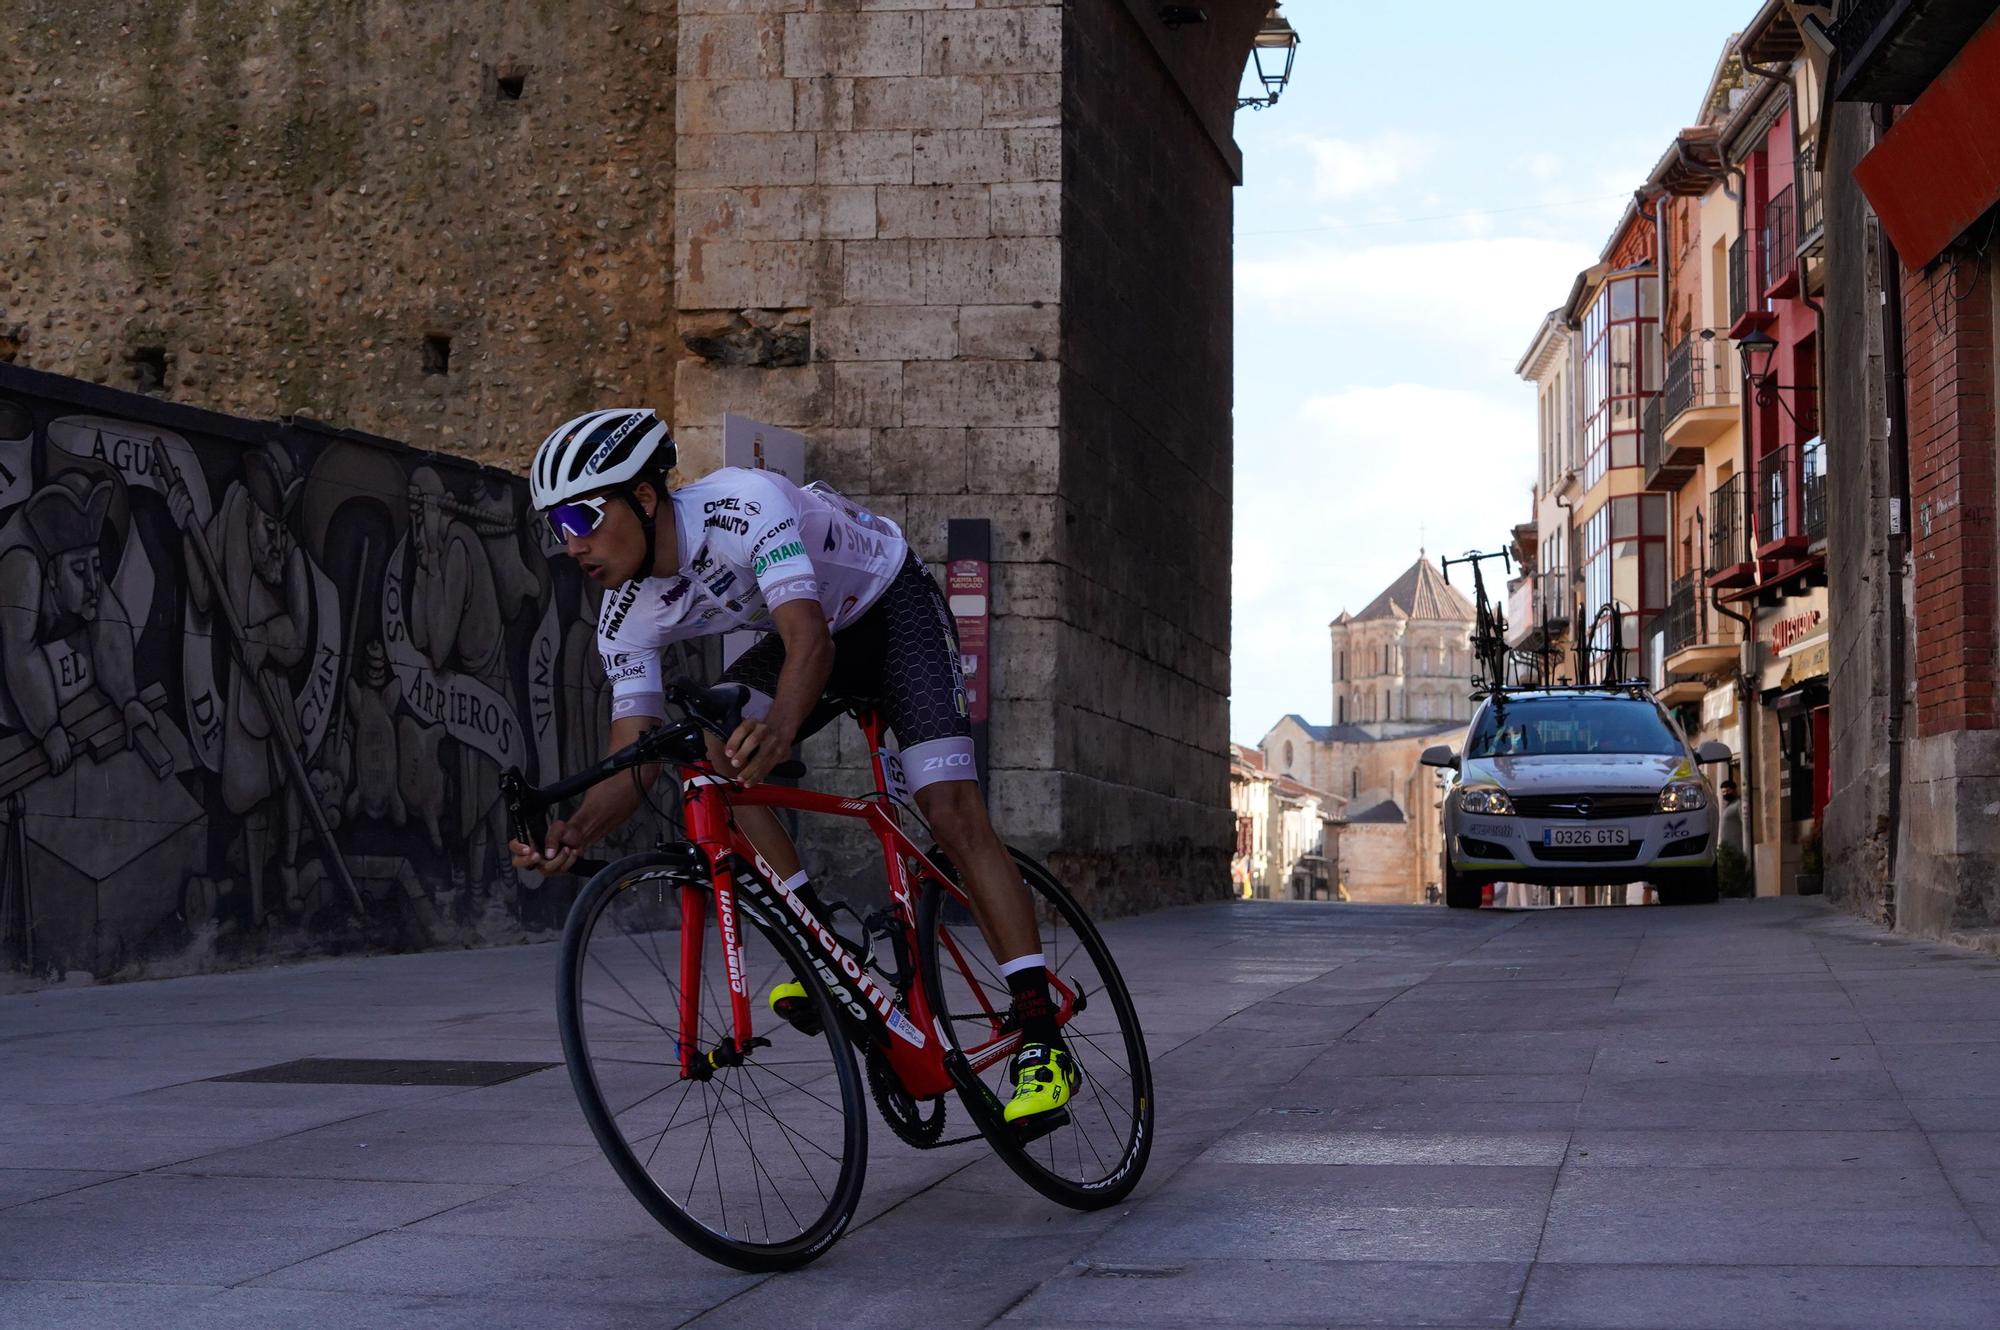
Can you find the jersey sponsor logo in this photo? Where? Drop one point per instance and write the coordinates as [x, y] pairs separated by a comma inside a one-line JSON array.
[[863, 543], [734, 525], [791, 549], [675, 594], [719, 587], [947, 762], [772, 534], [702, 561], [616, 609], [619, 667], [732, 504]]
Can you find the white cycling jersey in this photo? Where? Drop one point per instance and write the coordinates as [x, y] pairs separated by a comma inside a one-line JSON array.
[[750, 541]]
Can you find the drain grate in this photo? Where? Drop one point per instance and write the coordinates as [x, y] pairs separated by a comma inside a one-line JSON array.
[[386, 1071]]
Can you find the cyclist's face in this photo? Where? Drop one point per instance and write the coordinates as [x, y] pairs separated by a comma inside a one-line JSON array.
[[611, 554]]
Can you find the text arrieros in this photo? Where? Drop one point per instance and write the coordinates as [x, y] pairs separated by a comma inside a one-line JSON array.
[[791, 549]]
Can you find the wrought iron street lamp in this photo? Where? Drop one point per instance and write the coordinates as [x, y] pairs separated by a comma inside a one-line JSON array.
[[1272, 52], [1758, 349]]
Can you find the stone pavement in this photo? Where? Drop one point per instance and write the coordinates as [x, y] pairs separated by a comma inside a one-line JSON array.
[[1751, 1114]]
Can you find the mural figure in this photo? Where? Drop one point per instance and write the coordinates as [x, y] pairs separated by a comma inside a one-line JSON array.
[[62, 625], [264, 577], [373, 694]]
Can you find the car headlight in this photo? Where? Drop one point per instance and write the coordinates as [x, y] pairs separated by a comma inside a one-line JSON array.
[[1683, 796], [1485, 799]]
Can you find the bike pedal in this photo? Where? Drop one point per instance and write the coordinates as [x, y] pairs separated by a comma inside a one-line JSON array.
[[1040, 1125]]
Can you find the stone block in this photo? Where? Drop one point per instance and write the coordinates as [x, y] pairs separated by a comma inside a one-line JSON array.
[[933, 211], [1028, 663], [918, 461], [739, 214], [886, 332], [796, 398], [840, 212], [1027, 210], [919, 103], [720, 274], [872, 158], [994, 41], [976, 156], [1030, 590], [825, 103], [1026, 806], [714, 48], [980, 393], [1018, 101], [841, 458], [752, 106], [882, 272], [1009, 332], [867, 394], [1023, 734], [992, 272], [878, 45], [1026, 527], [688, 7], [1014, 461], [745, 159]]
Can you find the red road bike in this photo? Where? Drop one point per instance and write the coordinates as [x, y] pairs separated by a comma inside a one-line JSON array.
[[746, 1135]]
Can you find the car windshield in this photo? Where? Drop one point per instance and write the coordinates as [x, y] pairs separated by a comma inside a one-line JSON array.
[[1551, 726]]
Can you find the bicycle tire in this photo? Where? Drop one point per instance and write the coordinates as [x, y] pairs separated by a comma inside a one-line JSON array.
[[1119, 1177], [815, 1237]]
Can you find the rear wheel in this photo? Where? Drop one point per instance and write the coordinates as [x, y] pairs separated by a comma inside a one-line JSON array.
[[756, 1160], [1095, 1153]]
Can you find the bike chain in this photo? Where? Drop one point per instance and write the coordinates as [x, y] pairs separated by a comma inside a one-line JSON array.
[[901, 1111]]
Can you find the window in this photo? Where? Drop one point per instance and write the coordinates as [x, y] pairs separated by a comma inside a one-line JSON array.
[[1288, 756], [1572, 726], [1621, 361], [1625, 562], [1354, 784], [1340, 710]]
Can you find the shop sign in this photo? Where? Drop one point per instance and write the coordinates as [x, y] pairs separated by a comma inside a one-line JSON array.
[[1795, 628]]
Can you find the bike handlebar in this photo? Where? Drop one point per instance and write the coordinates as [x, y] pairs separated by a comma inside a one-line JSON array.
[[717, 710]]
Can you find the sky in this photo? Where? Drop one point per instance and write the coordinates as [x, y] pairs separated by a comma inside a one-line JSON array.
[[1422, 195]]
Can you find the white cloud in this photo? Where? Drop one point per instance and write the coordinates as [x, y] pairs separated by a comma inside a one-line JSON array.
[[1348, 168], [1335, 508], [1484, 295]]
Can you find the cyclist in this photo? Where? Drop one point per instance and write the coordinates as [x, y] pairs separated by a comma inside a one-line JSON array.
[[841, 600]]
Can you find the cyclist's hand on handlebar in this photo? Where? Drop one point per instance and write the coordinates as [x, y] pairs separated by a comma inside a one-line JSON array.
[[755, 748], [558, 851]]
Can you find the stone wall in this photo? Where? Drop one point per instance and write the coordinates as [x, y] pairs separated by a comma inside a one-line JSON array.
[[1143, 642], [291, 206], [1858, 547]]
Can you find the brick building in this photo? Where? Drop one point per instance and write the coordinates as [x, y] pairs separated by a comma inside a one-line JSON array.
[[1913, 93], [925, 237]]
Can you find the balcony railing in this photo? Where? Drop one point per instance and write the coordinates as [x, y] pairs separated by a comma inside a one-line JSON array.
[[1775, 241], [1652, 437], [1812, 202], [1728, 536], [1812, 487], [1739, 295], [1782, 497], [1552, 600], [1684, 614], [1698, 375]]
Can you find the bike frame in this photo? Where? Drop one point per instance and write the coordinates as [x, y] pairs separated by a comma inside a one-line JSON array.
[[918, 1046]]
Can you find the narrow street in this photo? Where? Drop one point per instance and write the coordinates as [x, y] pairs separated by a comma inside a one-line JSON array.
[[1759, 1114]]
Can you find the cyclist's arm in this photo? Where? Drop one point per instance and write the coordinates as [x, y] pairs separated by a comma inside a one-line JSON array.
[[605, 808]]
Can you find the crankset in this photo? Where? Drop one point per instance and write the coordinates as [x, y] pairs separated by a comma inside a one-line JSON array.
[[905, 1116]]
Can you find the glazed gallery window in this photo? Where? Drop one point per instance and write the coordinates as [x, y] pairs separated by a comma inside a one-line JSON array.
[[1625, 562], [1621, 368]]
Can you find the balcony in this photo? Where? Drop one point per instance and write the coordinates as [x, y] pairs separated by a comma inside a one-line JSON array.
[[1781, 524], [1664, 468], [1739, 295], [1730, 563], [1696, 642], [1812, 203], [1890, 50], [1553, 610], [1812, 489], [1521, 622], [1700, 391], [1777, 249]]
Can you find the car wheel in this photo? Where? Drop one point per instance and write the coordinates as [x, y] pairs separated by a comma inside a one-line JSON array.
[[1459, 893], [1700, 887]]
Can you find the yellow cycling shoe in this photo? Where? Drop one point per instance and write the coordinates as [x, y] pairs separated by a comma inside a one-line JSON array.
[[795, 1006], [1044, 1079]]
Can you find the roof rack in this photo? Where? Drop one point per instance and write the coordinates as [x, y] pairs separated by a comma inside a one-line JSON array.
[[1630, 687]]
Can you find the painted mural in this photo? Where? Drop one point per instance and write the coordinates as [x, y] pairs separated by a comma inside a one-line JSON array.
[[259, 682]]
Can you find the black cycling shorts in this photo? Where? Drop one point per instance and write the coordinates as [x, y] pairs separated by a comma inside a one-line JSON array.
[[900, 657]]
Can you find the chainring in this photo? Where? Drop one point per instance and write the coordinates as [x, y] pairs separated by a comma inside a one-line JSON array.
[[903, 1113]]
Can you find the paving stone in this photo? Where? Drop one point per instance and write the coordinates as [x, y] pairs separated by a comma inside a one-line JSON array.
[[1754, 1297]]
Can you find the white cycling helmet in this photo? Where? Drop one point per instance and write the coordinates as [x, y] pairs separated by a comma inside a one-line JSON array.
[[600, 450]]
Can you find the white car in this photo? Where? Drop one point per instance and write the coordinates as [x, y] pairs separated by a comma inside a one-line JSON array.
[[1572, 786]]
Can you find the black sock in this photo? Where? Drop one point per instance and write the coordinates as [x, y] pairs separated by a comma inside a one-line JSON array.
[[1032, 1005]]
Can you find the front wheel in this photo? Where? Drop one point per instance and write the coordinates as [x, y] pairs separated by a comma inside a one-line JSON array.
[[1459, 893], [1093, 1155], [754, 1160]]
